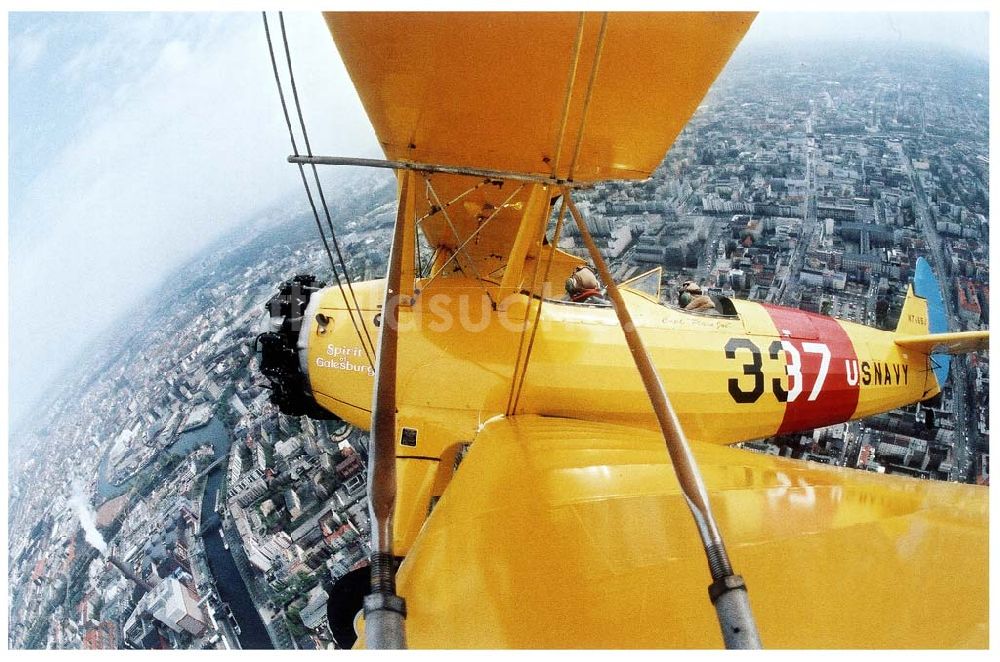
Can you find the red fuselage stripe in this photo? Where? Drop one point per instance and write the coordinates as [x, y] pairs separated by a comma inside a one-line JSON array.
[[837, 397]]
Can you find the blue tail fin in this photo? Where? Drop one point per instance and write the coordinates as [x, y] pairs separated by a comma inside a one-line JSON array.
[[925, 286]]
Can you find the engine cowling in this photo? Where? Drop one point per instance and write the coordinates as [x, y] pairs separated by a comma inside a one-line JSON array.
[[278, 346]]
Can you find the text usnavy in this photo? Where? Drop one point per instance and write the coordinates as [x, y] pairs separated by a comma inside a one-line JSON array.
[[750, 386]]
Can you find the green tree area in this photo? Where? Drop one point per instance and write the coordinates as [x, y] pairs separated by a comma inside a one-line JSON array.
[[165, 464], [294, 621], [298, 588], [276, 521], [291, 590], [225, 411]]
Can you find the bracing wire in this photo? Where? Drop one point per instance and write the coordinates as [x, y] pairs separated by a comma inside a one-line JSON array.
[[527, 316], [541, 300], [461, 247], [319, 187], [305, 184], [570, 82], [590, 91]]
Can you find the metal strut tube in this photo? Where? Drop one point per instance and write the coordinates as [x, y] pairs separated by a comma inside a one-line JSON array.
[[739, 633], [434, 167], [385, 612]]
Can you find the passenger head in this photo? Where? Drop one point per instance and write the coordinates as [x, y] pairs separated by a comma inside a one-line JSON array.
[[582, 279], [690, 286]]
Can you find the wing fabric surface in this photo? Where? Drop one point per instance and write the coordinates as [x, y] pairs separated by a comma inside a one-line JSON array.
[[959, 342], [490, 89], [563, 534]]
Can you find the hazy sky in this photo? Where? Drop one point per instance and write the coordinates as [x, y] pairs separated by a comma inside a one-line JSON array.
[[965, 32], [135, 139]]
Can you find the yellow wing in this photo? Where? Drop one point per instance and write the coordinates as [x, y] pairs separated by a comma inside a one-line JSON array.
[[490, 90], [585, 96], [562, 534]]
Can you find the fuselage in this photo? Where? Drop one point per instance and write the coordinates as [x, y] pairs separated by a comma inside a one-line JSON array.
[[466, 356], [762, 371]]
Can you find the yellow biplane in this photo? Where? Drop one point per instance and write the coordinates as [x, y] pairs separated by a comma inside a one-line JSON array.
[[569, 523]]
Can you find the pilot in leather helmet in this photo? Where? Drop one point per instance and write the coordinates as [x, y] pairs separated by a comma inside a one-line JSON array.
[[690, 297], [583, 286]]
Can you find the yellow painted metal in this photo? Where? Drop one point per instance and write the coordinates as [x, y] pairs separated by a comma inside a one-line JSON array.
[[407, 181], [415, 480], [879, 348], [572, 533], [960, 342], [489, 89], [529, 233], [457, 357], [914, 318], [567, 534]]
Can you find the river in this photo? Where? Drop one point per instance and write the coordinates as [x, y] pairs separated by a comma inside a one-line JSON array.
[[228, 581], [227, 578], [214, 433]]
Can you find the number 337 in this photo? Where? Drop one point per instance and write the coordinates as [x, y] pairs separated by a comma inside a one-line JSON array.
[[793, 368]]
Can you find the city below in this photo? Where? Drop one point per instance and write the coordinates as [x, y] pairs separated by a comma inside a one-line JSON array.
[[159, 500]]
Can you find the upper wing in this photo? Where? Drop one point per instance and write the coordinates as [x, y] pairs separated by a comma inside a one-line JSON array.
[[959, 342], [490, 90], [561, 534]]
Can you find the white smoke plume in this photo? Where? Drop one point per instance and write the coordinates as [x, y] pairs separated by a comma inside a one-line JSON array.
[[88, 518]]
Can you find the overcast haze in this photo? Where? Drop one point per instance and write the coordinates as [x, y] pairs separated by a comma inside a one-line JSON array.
[[136, 139], [966, 32]]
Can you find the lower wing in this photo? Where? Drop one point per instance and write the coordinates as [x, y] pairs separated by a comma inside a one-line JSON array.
[[557, 533]]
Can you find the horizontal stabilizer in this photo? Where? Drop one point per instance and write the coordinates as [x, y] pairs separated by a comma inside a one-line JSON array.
[[961, 342]]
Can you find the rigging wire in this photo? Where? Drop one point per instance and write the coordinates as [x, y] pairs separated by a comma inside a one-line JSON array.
[[305, 184], [461, 247], [553, 246], [527, 314], [590, 92], [319, 186], [434, 209], [570, 83], [458, 239]]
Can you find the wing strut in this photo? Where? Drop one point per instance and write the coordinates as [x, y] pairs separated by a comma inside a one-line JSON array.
[[385, 611], [727, 591], [435, 167]]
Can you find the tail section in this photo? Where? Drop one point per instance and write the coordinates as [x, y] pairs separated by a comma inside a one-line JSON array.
[[961, 342], [923, 324], [914, 319], [923, 311]]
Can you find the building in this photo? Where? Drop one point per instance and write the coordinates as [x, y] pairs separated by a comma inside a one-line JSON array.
[[983, 469], [103, 637], [139, 632], [293, 503], [173, 604], [968, 302], [250, 487], [349, 466], [866, 455], [313, 615], [287, 448]]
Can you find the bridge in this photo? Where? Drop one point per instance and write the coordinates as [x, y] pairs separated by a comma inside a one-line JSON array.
[[210, 467]]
